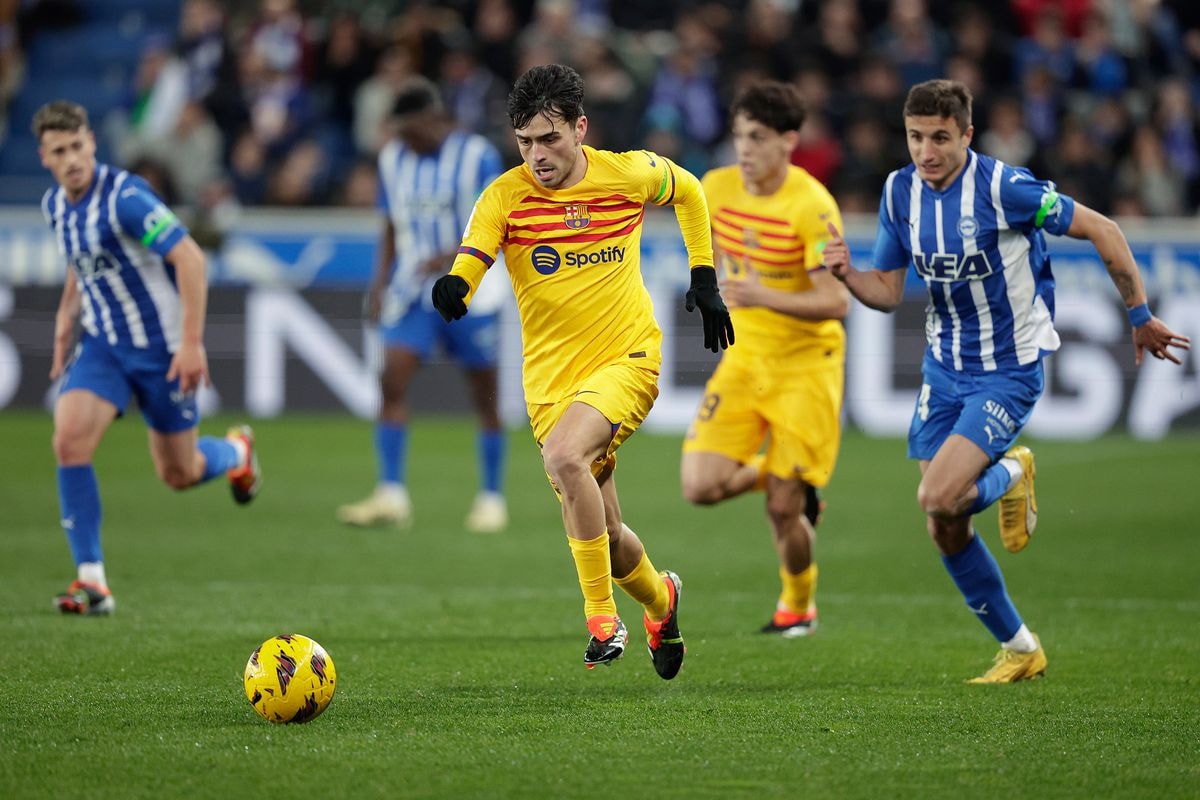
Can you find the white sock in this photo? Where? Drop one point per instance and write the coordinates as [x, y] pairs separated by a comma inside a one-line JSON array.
[[1022, 641], [243, 452], [93, 572], [392, 491], [1014, 471]]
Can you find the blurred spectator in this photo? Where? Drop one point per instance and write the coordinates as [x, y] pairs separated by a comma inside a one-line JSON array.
[[685, 90], [1007, 137], [1046, 49], [1177, 123], [212, 65], [1071, 13], [277, 39], [344, 60], [1081, 170], [1102, 69], [361, 187], [190, 154], [915, 45], [475, 96], [977, 38], [302, 178], [1041, 100], [248, 169], [866, 165], [375, 97], [818, 150], [836, 41], [613, 99], [1147, 175], [496, 27]]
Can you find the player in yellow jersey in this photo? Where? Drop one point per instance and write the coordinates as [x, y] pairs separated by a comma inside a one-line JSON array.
[[569, 220], [781, 385]]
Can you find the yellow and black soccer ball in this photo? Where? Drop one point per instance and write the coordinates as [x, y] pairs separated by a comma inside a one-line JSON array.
[[290, 678]]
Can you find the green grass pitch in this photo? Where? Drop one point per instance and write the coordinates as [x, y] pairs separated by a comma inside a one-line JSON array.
[[459, 655]]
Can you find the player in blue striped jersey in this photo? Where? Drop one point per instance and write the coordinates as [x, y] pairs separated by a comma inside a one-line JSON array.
[[430, 175], [137, 278], [972, 228]]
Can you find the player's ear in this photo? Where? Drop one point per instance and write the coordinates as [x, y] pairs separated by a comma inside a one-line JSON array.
[[581, 126], [969, 134]]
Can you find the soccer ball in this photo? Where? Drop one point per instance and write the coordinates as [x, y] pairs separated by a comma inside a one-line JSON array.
[[289, 678]]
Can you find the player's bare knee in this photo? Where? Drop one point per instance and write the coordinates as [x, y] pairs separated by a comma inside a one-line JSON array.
[[701, 491], [563, 464], [936, 501], [71, 448], [784, 510], [176, 476]]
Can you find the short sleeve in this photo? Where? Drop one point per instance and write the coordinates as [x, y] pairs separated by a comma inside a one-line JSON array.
[[143, 216], [1031, 204], [890, 253]]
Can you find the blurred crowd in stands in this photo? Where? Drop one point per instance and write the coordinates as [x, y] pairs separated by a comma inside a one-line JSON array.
[[285, 102]]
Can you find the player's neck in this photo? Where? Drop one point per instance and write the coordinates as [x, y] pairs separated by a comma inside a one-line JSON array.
[[768, 185], [578, 171], [75, 197]]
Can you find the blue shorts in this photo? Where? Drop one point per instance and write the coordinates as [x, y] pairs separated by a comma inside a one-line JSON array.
[[117, 375], [474, 341], [990, 409]]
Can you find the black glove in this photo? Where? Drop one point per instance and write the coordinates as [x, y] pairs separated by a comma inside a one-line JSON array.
[[448, 294], [718, 329]]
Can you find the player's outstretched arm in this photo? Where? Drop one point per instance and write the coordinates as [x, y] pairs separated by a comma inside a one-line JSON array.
[[190, 362], [64, 324], [1150, 334], [878, 289], [706, 296]]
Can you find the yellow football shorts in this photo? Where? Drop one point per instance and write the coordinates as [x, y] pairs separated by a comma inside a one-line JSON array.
[[797, 413], [623, 392]]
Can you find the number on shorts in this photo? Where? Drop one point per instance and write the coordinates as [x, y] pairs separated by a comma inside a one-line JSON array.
[[923, 403], [709, 406]]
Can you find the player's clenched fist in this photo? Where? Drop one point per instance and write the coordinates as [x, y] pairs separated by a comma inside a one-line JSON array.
[[836, 256]]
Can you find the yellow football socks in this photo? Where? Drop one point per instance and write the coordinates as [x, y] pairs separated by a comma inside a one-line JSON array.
[[798, 590], [646, 586], [594, 566]]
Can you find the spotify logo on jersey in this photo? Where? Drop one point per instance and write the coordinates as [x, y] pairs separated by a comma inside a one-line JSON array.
[[546, 259]]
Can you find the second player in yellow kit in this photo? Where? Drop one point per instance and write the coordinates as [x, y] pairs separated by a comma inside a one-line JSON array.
[[770, 414], [569, 221]]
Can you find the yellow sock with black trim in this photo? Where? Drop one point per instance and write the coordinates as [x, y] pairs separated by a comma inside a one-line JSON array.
[[800, 590], [759, 462], [646, 586], [594, 567]]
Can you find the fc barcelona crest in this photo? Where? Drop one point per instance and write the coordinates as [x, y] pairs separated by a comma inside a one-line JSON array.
[[576, 217]]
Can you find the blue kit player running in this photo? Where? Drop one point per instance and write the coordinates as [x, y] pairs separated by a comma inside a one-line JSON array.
[[430, 175], [137, 278], [972, 228]]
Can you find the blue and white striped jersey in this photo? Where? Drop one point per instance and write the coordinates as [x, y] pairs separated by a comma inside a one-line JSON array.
[[978, 245], [429, 199], [115, 238]]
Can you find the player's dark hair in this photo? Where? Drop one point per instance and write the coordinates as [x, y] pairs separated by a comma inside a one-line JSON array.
[[59, 115], [940, 98], [551, 90], [775, 104], [416, 95]]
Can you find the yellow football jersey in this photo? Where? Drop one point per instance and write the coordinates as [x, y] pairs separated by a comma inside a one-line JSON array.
[[780, 237], [573, 257]]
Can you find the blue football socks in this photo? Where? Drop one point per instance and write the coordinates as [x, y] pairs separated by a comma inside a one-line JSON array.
[[220, 456], [491, 446], [79, 499], [992, 485], [391, 450], [977, 576]]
